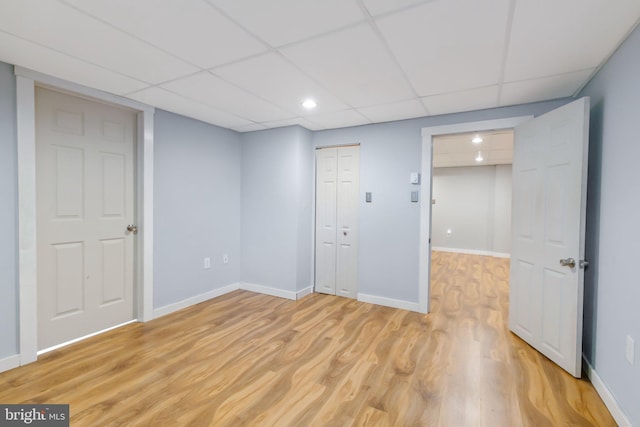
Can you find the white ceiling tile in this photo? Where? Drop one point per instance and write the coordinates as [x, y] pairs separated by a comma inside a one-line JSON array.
[[69, 31], [552, 37], [190, 29], [165, 100], [211, 90], [394, 111], [459, 150], [544, 88], [283, 85], [354, 64], [339, 119], [280, 22], [295, 121], [468, 100], [17, 51], [250, 128], [379, 7], [449, 45]]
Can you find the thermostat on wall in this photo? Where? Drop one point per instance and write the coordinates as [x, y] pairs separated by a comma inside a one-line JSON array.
[[414, 178]]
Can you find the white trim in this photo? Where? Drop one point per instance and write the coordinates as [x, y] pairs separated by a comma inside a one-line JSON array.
[[25, 106], [27, 279], [75, 340], [9, 362], [607, 397], [425, 191], [267, 290], [471, 252], [171, 308], [304, 292], [389, 302]]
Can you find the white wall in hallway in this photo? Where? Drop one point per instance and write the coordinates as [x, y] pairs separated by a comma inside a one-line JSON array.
[[474, 204]]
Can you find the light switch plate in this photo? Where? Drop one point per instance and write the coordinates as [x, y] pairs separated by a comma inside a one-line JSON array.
[[414, 197], [630, 353], [367, 197]]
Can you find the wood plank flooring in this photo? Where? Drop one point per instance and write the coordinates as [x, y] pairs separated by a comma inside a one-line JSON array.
[[246, 359]]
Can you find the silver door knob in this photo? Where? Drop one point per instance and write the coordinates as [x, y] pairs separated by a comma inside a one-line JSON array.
[[568, 262], [132, 229]]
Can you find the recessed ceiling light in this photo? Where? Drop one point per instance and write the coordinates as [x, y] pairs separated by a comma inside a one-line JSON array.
[[477, 139], [479, 158], [309, 104]]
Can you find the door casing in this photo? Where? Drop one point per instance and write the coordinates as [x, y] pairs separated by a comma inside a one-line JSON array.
[[426, 191], [26, 80]]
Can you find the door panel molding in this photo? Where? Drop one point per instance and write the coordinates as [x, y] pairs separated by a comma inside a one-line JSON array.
[[26, 80]]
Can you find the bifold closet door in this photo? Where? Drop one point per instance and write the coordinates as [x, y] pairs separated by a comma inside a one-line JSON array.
[[337, 182]]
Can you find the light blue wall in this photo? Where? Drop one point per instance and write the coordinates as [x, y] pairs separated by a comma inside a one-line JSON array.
[[196, 207], [277, 183], [612, 283], [389, 227], [8, 214]]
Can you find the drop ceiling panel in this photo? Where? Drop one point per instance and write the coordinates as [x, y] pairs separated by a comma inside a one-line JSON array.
[[190, 29], [552, 37], [449, 45], [543, 89], [459, 150], [354, 64], [176, 104], [69, 31], [296, 121], [17, 51], [211, 90], [339, 119], [280, 22], [284, 85], [379, 7], [394, 111], [250, 128], [474, 99]]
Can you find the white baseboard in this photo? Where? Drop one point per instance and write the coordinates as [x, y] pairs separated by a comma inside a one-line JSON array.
[[9, 362], [607, 397], [267, 290], [304, 292], [389, 302], [168, 309], [471, 252]]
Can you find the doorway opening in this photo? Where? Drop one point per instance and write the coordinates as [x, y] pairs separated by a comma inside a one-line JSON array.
[[471, 193], [426, 209]]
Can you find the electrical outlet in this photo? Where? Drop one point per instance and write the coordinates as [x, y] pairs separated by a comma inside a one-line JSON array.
[[207, 263], [631, 350], [225, 259]]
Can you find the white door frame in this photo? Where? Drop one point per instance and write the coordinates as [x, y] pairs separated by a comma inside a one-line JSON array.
[[425, 192], [26, 81]]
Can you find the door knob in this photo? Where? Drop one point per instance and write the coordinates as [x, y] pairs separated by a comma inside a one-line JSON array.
[[568, 262], [132, 229]]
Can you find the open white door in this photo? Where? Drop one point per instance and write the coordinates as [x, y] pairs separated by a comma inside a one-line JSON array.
[[549, 210]]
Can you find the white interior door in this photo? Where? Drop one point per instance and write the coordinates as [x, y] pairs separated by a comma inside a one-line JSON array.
[[326, 218], [337, 185], [85, 201], [347, 223], [549, 210]]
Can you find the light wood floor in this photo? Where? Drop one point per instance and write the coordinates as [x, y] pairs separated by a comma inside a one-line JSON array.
[[246, 359]]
